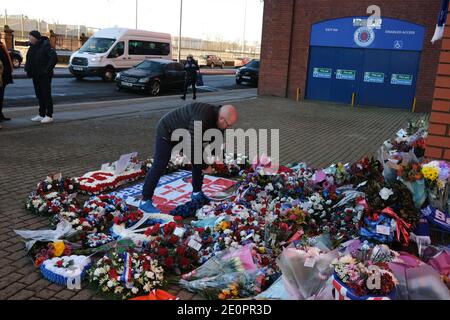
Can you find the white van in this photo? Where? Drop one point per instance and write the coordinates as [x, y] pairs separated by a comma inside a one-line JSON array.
[[113, 49]]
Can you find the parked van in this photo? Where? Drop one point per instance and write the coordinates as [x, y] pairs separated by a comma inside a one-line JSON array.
[[114, 49]]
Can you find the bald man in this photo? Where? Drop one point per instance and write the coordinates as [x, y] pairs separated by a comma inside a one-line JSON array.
[[212, 117]]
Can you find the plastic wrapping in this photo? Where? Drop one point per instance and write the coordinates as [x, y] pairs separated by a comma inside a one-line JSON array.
[[229, 266], [276, 291], [305, 274], [417, 280], [63, 229]]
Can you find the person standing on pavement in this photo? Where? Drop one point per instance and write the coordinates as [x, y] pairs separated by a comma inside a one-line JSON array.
[[6, 68], [212, 117], [191, 68], [52, 39], [41, 60]]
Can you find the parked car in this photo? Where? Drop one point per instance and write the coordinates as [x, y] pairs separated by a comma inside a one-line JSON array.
[[210, 61], [16, 57], [248, 73], [240, 62], [115, 49], [152, 76]]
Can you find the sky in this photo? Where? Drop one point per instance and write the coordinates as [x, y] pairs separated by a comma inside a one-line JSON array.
[[206, 19]]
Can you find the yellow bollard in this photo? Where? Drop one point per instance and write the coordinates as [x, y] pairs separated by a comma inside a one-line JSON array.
[[414, 105], [353, 99], [298, 94]]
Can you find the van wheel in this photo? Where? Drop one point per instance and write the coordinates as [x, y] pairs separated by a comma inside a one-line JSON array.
[[221, 66], [212, 65], [109, 75], [79, 78], [155, 88]]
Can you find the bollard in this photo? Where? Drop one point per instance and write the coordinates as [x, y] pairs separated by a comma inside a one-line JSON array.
[[414, 105], [353, 99], [298, 94]]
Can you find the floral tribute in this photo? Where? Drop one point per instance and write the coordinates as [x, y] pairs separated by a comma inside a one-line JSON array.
[[125, 275]]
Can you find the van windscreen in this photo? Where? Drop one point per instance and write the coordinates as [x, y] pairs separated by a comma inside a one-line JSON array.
[[97, 45]]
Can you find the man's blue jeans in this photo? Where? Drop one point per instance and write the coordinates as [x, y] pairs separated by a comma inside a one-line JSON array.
[[162, 154]]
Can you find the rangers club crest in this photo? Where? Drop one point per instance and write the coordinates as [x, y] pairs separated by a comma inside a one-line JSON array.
[[364, 36]]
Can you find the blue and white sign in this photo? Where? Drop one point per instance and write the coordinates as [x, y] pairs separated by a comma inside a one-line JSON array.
[[392, 34], [436, 217]]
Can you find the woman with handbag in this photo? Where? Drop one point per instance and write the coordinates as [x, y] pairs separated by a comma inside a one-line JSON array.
[[191, 68]]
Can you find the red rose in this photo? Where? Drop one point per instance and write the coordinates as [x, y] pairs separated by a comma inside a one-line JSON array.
[[184, 262], [116, 220], [169, 228], [168, 262], [199, 230], [113, 273], [181, 250], [178, 219], [173, 239], [59, 263], [162, 251]]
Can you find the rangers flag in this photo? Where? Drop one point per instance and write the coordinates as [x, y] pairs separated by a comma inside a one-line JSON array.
[[442, 17]]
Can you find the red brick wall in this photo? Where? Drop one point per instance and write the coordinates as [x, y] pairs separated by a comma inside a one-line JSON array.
[[276, 40], [438, 141]]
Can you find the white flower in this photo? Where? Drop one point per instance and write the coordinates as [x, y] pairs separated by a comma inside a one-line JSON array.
[[149, 274], [135, 290], [385, 193], [118, 289], [110, 284]]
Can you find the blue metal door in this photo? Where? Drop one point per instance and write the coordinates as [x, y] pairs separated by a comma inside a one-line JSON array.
[[346, 73], [320, 74], [379, 64], [375, 78]]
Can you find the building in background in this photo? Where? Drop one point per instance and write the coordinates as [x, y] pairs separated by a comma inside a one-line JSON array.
[[326, 51]]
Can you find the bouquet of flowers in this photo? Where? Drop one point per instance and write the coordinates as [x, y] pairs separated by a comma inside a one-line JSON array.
[[94, 240], [42, 251], [366, 169], [365, 274], [50, 203], [126, 274], [436, 174], [171, 246]]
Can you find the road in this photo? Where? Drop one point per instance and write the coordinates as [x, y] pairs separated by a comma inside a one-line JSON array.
[[69, 90]]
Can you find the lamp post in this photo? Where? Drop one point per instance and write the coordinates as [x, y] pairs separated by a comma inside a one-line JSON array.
[[136, 14], [179, 35], [243, 36]]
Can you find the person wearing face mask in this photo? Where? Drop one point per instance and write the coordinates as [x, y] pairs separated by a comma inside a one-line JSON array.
[[191, 68], [41, 60]]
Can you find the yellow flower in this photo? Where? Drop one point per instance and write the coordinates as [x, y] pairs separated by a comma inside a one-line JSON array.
[[234, 292], [59, 248]]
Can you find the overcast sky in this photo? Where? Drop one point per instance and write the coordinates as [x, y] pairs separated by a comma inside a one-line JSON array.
[[201, 18]]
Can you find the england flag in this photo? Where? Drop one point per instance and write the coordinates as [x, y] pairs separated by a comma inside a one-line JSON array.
[[439, 31]]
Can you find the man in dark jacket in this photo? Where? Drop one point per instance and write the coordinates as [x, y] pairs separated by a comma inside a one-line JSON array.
[[218, 117], [5, 76], [191, 68], [41, 60]]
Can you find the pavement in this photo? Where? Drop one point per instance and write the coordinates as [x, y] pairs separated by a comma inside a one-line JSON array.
[[62, 71], [86, 135]]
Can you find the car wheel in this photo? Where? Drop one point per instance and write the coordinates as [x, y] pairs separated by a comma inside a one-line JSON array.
[[221, 66], [109, 75], [16, 63], [79, 78], [118, 88], [238, 81], [155, 88], [212, 65]]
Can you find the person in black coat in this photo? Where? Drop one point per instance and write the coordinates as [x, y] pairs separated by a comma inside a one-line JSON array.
[[191, 68], [6, 76], [41, 60]]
